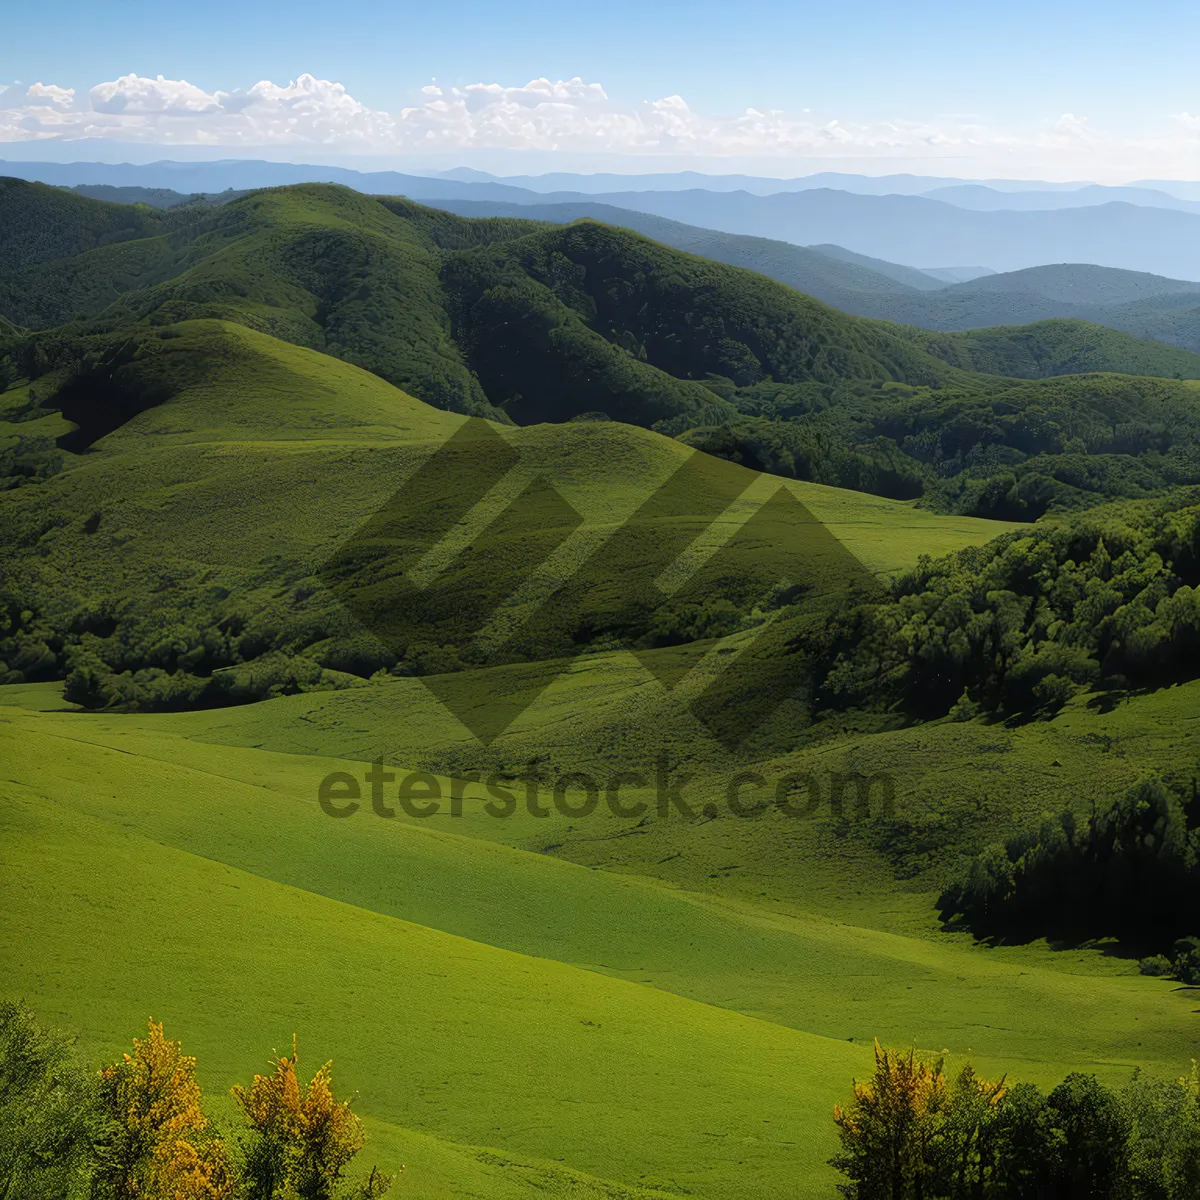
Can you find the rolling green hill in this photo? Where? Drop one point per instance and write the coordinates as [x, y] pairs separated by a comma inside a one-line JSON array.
[[397, 288], [209, 438], [467, 315], [245, 463], [453, 967]]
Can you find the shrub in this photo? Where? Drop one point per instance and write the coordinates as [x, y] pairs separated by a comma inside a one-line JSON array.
[[51, 1126]]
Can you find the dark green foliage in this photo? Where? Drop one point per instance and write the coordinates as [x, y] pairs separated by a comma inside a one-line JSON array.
[[535, 352], [1086, 1141], [1003, 450], [1183, 963], [199, 651], [1071, 1145], [39, 224], [1164, 1136], [912, 1133], [1021, 624], [51, 1129], [809, 451], [1131, 871], [28, 459], [693, 318]]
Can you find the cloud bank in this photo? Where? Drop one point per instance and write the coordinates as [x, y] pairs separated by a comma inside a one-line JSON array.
[[563, 116]]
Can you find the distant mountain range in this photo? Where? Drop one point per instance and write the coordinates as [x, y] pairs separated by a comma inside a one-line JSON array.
[[982, 198], [948, 298], [972, 193], [1134, 302], [961, 224], [915, 229], [1158, 234]]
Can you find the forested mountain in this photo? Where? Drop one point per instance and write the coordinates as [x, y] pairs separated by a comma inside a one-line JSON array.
[[155, 197], [442, 306], [526, 322], [1144, 305]]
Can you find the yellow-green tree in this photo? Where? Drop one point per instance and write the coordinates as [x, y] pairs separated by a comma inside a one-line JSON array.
[[302, 1138], [888, 1130], [163, 1147], [911, 1134]]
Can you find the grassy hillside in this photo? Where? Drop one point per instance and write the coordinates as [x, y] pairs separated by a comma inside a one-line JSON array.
[[424, 1052], [222, 497], [676, 998], [239, 558], [196, 457]]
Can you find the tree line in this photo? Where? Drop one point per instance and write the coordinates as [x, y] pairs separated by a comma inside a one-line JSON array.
[[1109, 599], [913, 1132], [1002, 449], [1129, 870], [138, 1130]]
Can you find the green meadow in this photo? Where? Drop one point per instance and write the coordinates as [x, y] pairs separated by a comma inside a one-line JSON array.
[[635, 1029]]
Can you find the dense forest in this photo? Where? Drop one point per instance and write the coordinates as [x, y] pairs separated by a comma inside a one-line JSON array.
[[1108, 599]]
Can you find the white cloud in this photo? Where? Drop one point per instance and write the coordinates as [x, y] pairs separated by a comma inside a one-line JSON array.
[[136, 109], [1072, 127], [572, 116], [39, 94], [169, 97]]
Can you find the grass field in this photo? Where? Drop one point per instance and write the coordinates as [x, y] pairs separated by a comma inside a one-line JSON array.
[[631, 1027]]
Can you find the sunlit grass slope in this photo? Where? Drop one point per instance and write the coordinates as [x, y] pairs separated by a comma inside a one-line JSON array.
[[106, 920], [958, 785], [783, 956]]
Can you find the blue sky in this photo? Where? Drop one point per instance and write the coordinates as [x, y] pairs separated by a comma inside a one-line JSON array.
[[1130, 70]]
